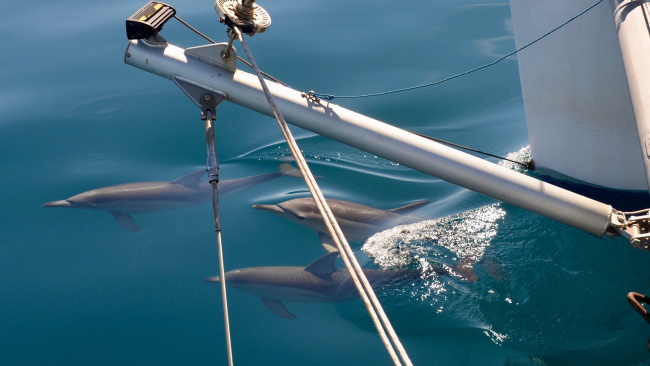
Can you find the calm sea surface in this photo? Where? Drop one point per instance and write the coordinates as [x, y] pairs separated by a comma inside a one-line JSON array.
[[78, 289]]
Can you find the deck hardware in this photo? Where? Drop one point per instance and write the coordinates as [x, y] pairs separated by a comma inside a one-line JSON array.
[[208, 107], [149, 20], [249, 17], [232, 35], [311, 96], [634, 228]]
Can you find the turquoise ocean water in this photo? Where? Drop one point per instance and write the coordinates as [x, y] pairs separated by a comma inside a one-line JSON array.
[[78, 289]]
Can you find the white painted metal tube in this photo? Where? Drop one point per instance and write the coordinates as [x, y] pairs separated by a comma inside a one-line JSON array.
[[631, 18], [379, 138]]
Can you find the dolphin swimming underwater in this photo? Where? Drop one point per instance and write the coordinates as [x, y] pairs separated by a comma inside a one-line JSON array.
[[122, 200], [320, 281], [358, 222]]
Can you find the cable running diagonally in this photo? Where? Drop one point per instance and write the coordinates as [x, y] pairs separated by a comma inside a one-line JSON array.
[[356, 273], [331, 96]]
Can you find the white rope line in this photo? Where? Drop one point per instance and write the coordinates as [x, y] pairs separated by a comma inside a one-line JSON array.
[[366, 292], [212, 171]]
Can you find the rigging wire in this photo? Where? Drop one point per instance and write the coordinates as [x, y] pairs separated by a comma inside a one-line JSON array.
[[331, 96], [527, 165], [213, 169], [356, 273]]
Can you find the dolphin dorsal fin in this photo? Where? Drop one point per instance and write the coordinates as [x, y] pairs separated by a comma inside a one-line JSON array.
[[407, 209], [191, 180], [323, 266]]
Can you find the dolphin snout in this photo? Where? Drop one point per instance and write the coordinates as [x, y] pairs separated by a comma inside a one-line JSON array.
[[271, 208], [62, 203], [213, 279]]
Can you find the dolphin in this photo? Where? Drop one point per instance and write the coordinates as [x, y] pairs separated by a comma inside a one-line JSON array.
[[125, 199], [358, 222], [320, 281]]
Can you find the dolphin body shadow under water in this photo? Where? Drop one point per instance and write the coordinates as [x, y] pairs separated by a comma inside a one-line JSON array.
[[122, 200], [358, 222], [320, 281]]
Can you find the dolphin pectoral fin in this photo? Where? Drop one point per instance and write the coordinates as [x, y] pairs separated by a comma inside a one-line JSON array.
[[407, 209], [330, 248], [327, 243], [126, 221], [278, 308]]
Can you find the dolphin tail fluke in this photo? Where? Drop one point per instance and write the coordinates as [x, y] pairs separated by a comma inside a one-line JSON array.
[[62, 203], [126, 221], [278, 308]]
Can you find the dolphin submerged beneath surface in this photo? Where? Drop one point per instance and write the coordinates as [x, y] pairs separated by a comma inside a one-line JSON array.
[[320, 281], [358, 222], [122, 200]]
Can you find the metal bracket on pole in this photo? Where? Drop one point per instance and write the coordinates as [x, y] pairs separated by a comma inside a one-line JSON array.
[[634, 228], [209, 107], [208, 100]]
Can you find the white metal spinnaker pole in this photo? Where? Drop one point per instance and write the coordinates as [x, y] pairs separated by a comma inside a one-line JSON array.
[[203, 67]]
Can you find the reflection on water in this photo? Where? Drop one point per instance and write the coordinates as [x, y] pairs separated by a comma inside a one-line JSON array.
[[456, 243], [450, 241]]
